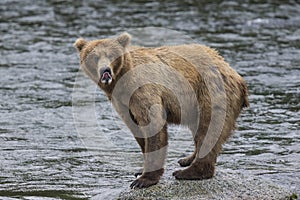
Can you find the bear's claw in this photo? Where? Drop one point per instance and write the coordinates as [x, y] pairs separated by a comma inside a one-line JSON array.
[[176, 173], [187, 161], [138, 173], [142, 183], [184, 162], [147, 179]]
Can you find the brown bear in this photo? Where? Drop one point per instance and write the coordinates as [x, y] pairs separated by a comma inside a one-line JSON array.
[[150, 88]]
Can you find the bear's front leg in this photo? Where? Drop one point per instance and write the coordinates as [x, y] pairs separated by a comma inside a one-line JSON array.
[[154, 157]]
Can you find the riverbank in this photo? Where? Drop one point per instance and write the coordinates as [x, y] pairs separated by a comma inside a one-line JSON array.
[[224, 185]]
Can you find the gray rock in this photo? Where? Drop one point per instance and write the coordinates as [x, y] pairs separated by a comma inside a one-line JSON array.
[[224, 185]]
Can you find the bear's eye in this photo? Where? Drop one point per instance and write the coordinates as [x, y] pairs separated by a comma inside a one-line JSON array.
[[110, 57], [95, 59], [92, 61]]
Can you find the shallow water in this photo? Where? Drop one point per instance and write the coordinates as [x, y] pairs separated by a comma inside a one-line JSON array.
[[44, 151]]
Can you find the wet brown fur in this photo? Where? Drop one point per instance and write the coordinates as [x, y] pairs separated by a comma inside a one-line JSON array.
[[183, 59]]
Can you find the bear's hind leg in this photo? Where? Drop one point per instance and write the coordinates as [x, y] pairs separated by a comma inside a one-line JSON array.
[[187, 161], [200, 169], [204, 167]]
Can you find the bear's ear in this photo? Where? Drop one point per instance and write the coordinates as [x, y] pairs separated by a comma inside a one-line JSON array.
[[124, 39], [80, 43]]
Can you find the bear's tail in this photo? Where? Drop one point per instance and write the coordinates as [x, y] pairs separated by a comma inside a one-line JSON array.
[[245, 94]]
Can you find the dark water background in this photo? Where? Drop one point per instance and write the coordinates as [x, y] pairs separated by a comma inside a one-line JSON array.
[[42, 156]]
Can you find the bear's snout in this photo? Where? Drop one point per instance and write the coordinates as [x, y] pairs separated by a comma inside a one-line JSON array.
[[105, 75]]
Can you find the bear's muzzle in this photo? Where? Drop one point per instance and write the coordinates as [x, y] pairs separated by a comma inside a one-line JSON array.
[[105, 75]]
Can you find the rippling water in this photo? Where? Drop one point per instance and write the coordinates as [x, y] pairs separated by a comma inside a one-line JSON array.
[[42, 155]]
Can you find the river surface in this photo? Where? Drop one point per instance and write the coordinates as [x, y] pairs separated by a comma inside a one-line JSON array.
[[48, 152]]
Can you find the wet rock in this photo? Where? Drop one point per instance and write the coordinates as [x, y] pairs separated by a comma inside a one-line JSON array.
[[224, 185]]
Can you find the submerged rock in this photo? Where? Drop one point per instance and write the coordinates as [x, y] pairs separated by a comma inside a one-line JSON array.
[[223, 185]]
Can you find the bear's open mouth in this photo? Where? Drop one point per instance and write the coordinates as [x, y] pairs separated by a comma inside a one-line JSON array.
[[106, 77]]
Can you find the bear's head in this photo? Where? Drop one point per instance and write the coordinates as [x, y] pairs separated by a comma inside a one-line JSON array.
[[102, 60]]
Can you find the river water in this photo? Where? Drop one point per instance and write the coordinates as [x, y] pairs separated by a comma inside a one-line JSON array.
[[47, 152]]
